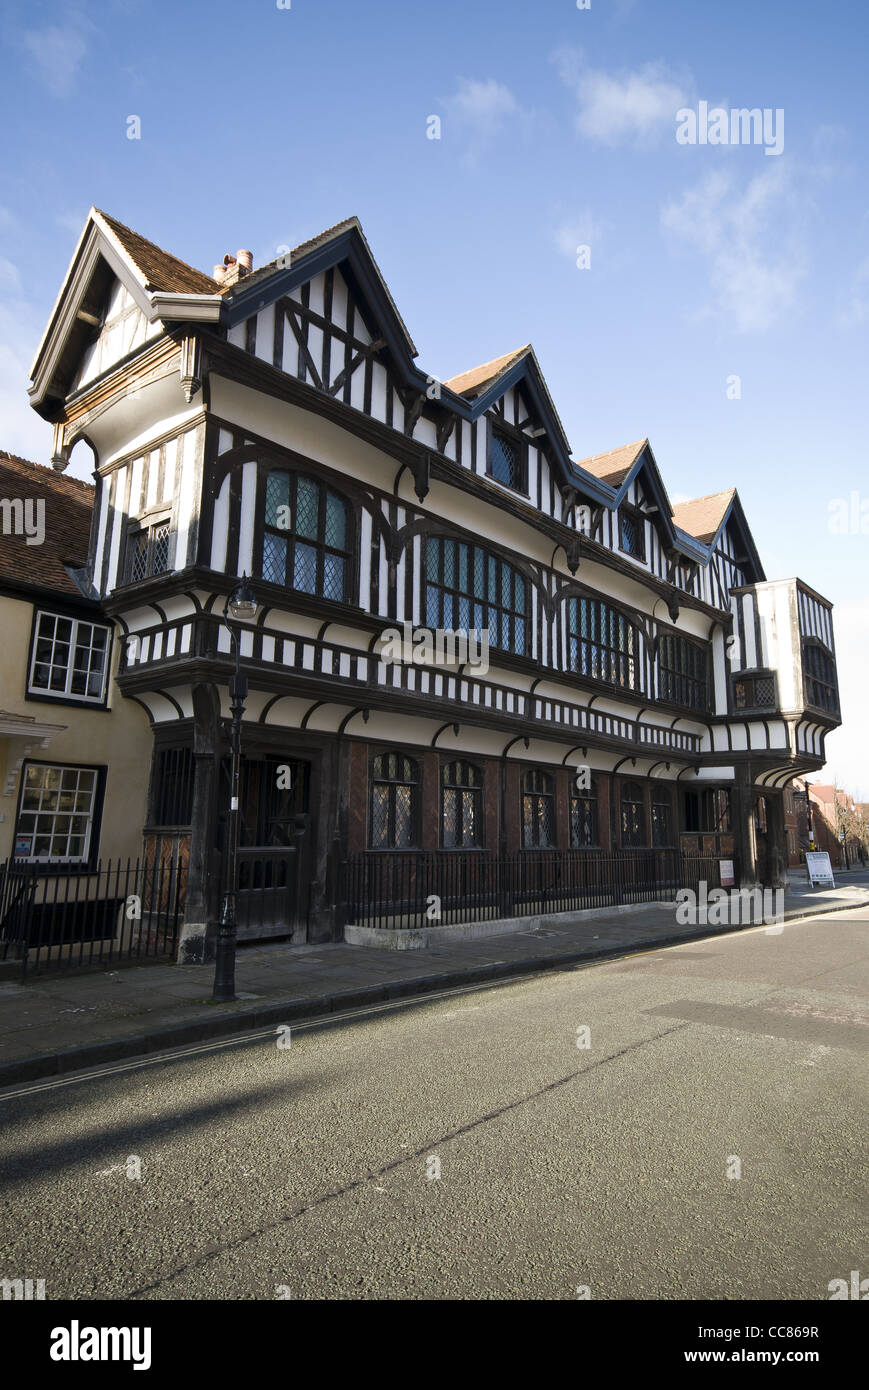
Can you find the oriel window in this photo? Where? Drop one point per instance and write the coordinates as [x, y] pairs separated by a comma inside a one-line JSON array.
[[306, 536], [470, 590], [603, 644]]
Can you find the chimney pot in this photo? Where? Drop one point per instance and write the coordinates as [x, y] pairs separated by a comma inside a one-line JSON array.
[[219, 273], [245, 259]]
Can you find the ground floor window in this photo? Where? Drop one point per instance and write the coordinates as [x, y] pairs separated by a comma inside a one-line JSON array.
[[584, 821], [662, 820], [394, 801], [633, 816], [461, 806], [538, 810], [57, 814]]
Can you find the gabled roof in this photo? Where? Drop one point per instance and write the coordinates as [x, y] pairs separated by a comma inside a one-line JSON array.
[[472, 383], [702, 517], [159, 269], [163, 287], [614, 466], [168, 289], [345, 240], [68, 505]]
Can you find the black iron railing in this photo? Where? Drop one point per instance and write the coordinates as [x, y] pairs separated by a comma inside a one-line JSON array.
[[62, 917], [443, 888]]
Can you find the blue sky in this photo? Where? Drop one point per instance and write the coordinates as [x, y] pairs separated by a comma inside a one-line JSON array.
[[261, 125]]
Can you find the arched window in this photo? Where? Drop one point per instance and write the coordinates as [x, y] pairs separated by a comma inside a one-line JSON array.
[[469, 590], [461, 806], [538, 810], [662, 818], [394, 796], [633, 816], [584, 820], [306, 536], [682, 672], [603, 644]]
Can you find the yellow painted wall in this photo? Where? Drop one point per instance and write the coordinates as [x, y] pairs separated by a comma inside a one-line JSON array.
[[119, 739]]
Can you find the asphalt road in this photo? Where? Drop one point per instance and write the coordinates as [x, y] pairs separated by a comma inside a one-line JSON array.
[[309, 1171]]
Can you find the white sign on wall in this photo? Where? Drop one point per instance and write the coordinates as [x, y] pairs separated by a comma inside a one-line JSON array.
[[819, 868]]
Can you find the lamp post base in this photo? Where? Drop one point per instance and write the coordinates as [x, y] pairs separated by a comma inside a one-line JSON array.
[[224, 959]]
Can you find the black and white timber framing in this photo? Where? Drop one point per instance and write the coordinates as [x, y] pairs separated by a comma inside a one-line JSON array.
[[304, 370]]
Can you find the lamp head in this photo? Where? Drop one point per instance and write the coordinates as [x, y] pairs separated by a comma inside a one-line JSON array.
[[243, 604]]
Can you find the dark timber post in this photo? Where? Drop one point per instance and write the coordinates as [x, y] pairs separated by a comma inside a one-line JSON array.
[[742, 799], [196, 945], [777, 850]]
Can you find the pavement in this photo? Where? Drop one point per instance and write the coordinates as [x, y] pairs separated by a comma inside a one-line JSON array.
[[685, 1123], [61, 1023]]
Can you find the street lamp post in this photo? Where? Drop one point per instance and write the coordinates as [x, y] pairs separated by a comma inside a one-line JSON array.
[[241, 606]]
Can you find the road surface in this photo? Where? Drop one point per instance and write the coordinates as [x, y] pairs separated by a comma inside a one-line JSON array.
[[680, 1124]]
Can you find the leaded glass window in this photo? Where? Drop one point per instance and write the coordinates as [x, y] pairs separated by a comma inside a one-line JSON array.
[[603, 644], [662, 819], [507, 461], [461, 806], [306, 536], [469, 590], [632, 533], [682, 672], [820, 679], [394, 790], [633, 815], [148, 551], [538, 810], [584, 823]]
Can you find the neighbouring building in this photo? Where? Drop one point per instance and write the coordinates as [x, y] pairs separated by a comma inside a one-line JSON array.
[[74, 754], [647, 688]]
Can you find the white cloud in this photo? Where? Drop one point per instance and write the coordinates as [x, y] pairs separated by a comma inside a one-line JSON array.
[[622, 106], [57, 52], [479, 111], [755, 253], [584, 230]]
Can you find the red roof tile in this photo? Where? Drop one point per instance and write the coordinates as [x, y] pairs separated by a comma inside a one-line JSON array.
[[68, 506], [615, 465], [160, 269], [702, 516]]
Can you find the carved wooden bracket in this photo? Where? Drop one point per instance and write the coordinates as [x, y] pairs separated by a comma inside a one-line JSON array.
[[421, 469], [190, 367]]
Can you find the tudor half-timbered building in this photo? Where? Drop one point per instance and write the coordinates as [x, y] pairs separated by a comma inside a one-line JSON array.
[[275, 423]]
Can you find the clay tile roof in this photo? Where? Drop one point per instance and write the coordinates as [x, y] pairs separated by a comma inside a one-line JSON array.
[[702, 516], [68, 507], [474, 382], [304, 249], [160, 270], [615, 465]]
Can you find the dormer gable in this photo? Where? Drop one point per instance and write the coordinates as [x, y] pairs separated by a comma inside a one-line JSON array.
[[113, 275]]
